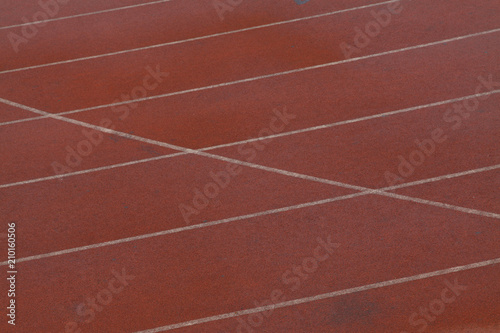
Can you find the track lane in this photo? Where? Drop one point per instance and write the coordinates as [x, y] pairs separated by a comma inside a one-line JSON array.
[[318, 97], [166, 22], [167, 269], [142, 199], [385, 309], [479, 191], [253, 53], [368, 153], [49, 147], [206, 271], [10, 113]]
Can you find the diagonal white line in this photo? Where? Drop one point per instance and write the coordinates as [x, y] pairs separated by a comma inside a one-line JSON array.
[[309, 129], [198, 38], [325, 296], [81, 172], [440, 204], [182, 229], [84, 14], [435, 179], [252, 165], [356, 120], [220, 85]]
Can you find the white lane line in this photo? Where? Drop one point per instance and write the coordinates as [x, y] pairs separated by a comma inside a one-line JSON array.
[[191, 227], [107, 167], [22, 120], [413, 108], [435, 179], [252, 165], [356, 120], [304, 300], [85, 14], [225, 84], [198, 38], [304, 130]]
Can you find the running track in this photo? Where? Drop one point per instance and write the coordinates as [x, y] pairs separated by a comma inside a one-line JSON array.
[[312, 151]]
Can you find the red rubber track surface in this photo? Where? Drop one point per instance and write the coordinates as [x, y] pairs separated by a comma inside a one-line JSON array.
[[263, 181]]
